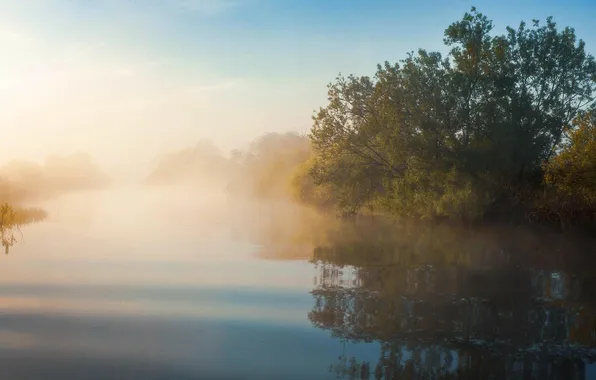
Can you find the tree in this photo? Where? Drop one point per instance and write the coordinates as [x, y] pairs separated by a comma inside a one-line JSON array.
[[572, 172], [434, 137], [269, 165], [202, 163], [27, 180]]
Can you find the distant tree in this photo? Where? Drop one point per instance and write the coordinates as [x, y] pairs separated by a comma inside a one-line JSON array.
[[77, 171], [236, 155], [201, 163], [268, 166], [22, 181]]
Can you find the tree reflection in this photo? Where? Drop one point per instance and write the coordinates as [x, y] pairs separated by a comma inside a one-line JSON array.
[[12, 219], [465, 305]]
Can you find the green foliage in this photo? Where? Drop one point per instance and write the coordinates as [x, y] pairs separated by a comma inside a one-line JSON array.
[[304, 190], [435, 137], [572, 172], [569, 197]]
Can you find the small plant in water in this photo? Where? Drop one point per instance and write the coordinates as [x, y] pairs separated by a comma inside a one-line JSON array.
[[12, 219], [7, 226]]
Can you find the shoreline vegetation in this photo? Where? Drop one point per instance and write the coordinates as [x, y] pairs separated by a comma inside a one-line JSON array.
[[500, 130], [13, 218], [26, 182]]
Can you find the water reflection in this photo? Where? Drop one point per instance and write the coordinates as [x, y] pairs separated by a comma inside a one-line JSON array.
[[186, 298], [466, 305], [12, 219]]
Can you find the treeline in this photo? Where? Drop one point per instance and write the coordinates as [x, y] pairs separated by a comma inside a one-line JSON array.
[[201, 163], [26, 181], [501, 128], [265, 169]]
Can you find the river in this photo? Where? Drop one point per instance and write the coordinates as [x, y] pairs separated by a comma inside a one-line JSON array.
[[147, 284]]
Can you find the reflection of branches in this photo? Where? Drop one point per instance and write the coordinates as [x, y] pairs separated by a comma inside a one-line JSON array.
[[7, 226], [426, 304], [8, 238], [12, 219], [350, 368]]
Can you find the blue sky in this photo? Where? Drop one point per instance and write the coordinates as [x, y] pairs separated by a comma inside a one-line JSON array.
[[137, 77]]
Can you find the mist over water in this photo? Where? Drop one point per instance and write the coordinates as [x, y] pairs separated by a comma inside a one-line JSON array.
[[135, 211], [189, 190], [179, 280], [155, 277], [196, 275]]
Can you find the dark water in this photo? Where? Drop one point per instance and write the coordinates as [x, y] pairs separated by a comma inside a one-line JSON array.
[[133, 289]]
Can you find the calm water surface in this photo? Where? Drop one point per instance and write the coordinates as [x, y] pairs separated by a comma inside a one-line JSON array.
[[131, 285]]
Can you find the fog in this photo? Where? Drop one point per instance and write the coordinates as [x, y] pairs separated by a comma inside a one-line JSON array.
[[201, 206], [107, 136], [108, 128], [233, 189]]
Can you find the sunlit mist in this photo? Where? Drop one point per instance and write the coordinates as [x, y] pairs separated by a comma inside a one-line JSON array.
[[325, 190]]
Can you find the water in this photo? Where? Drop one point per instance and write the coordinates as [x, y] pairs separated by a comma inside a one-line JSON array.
[[135, 285]]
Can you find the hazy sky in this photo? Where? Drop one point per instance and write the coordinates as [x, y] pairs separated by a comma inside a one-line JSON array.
[[126, 79]]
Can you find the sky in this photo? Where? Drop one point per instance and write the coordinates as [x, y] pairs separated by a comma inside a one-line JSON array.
[[126, 80]]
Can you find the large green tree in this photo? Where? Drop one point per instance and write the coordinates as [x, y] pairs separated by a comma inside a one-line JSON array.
[[436, 136]]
